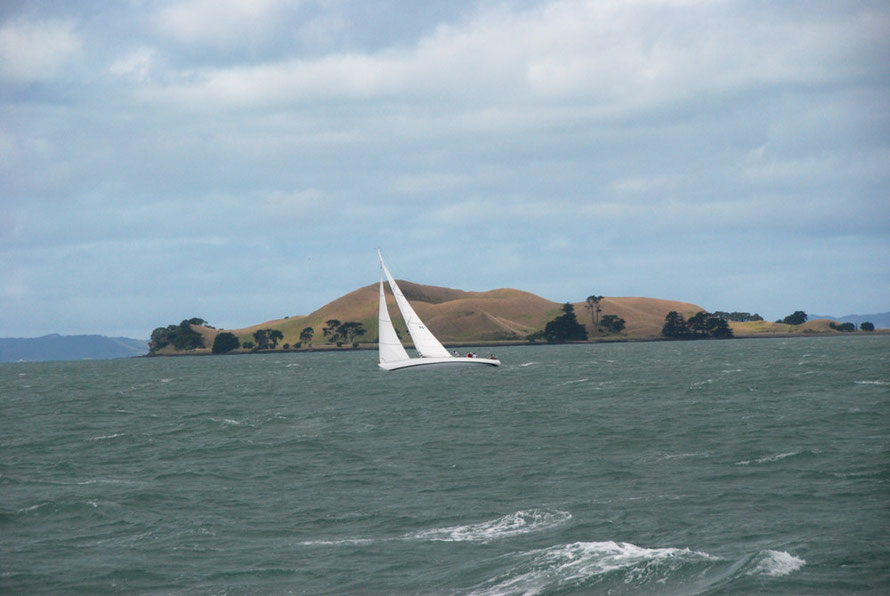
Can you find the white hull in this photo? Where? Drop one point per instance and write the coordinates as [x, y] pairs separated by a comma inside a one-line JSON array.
[[439, 362]]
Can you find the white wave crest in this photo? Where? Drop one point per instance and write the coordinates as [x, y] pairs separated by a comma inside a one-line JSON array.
[[521, 522], [342, 542], [528, 364], [871, 382], [776, 563], [104, 437], [581, 563], [767, 459], [229, 421]]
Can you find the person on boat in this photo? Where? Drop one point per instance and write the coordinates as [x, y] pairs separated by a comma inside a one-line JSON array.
[[456, 353], [469, 354]]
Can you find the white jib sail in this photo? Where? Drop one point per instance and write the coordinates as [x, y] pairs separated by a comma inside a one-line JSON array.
[[389, 346], [424, 341]]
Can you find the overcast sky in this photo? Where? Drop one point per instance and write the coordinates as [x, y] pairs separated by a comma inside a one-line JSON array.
[[240, 160]]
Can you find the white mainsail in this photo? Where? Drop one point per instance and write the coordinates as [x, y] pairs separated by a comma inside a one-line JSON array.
[[425, 342]]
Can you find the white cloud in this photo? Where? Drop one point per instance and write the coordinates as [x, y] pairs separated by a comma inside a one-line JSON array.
[[221, 23], [136, 65], [32, 51], [606, 59], [686, 131]]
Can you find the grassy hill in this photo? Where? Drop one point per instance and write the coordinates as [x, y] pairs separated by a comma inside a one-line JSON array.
[[759, 328], [459, 317]]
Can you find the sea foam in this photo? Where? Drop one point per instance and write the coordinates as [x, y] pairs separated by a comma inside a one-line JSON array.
[[776, 563], [520, 522], [767, 459], [580, 564], [514, 524]]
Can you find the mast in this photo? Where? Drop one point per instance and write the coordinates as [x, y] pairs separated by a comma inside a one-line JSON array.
[[424, 341]]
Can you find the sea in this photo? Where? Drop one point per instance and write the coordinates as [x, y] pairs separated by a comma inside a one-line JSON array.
[[706, 467]]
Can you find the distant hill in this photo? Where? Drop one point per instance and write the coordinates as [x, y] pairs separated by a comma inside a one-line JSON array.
[[460, 317], [879, 320], [69, 347]]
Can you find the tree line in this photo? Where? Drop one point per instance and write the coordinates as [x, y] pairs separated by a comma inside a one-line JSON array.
[[267, 339], [182, 336], [565, 327], [701, 325]]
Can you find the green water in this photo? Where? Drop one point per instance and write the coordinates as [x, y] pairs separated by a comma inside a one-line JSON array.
[[721, 467]]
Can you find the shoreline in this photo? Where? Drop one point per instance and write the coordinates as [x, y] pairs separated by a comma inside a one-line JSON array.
[[506, 343]]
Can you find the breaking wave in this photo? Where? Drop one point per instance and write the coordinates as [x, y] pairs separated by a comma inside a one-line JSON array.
[[515, 524], [585, 564], [621, 566], [776, 563], [521, 522], [767, 459]]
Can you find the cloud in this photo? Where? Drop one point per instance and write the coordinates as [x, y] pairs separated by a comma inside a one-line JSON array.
[[628, 146], [596, 61], [36, 51], [136, 65], [221, 24]]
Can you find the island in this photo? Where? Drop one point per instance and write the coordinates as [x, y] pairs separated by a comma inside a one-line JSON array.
[[496, 317]]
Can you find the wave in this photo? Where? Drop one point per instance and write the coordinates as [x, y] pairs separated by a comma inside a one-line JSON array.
[[582, 564], [514, 524], [104, 437], [520, 522], [623, 567], [871, 382], [230, 422], [669, 456], [767, 459], [341, 542], [776, 563]]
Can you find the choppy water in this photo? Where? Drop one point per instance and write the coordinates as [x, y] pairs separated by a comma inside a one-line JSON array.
[[706, 467]]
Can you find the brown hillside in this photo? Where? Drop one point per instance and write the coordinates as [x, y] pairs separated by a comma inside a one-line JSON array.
[[765, 327], [457, 316], [643, 317]]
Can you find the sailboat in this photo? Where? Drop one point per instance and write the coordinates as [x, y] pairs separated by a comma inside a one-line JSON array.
[[430, 350]]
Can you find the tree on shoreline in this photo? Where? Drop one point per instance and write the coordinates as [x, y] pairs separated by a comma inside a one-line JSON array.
[[798, 317], [330, 330], [267, 339], [350, 330], [613, 323], [701, 325], [565, 327], [675, 326], [225, 342], [739, 317], [593, 305], [182, 336]]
